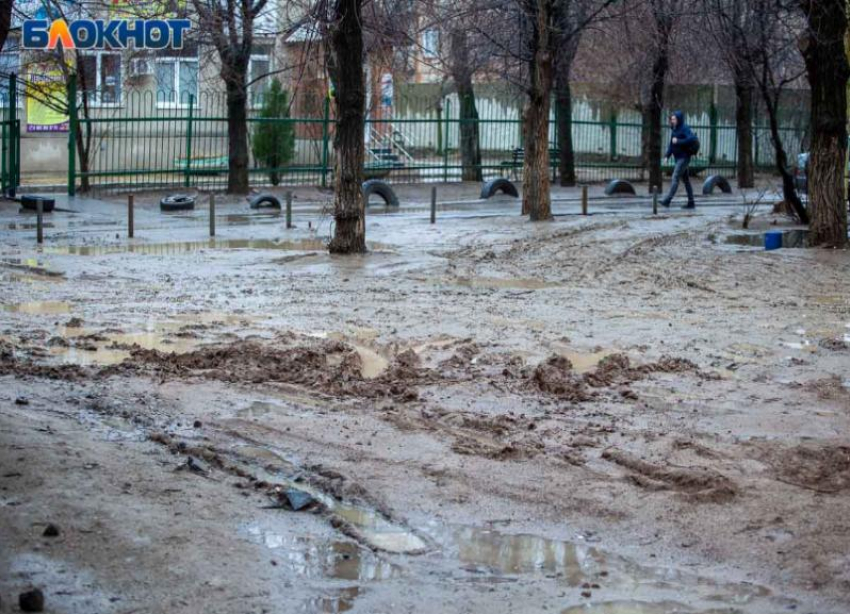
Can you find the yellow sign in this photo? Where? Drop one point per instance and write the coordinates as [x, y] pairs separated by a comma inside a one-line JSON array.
[[46, 100]]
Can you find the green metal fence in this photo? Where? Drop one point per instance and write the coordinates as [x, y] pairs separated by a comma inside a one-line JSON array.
[[147, 143]]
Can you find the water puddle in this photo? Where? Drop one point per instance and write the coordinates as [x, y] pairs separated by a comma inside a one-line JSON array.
[[170, 249], [30, 266], [340, 601], [39, 307], [790, 239], [379, 532], [315, 558], [635, 607]]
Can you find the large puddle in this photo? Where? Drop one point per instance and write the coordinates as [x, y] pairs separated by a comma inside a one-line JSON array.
[[183, 247], [39, 307]]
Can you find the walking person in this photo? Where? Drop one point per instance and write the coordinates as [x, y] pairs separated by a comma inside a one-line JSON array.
[[683, 145]]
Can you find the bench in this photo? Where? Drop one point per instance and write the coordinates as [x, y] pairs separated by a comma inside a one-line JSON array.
[[518, 159], [204, 165]]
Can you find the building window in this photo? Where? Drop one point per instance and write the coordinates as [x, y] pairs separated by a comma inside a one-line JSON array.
[[431, 43], [176, 80], [101, 78], [258, 69], [10, 62]]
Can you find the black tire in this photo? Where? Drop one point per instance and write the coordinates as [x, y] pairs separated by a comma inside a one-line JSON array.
[[382, 189], [265, 201], [716, 181], [30, 203], [619, 186], [177, 202], [494, 186]]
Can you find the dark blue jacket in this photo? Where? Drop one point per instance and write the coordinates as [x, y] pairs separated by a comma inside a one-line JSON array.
[[685, 137]]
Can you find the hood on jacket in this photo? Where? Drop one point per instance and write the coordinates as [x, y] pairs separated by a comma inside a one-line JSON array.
[[680, 119]]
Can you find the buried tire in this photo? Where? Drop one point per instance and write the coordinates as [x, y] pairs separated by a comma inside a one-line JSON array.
[[177, 202], [382, 189], [716, 181], [496, 186], [265, 201], [619, 186], [30, 203]]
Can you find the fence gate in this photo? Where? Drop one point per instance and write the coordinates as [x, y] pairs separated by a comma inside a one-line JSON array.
[[10, 134]]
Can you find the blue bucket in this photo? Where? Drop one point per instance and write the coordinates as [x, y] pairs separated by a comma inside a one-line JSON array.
[[772, 240]]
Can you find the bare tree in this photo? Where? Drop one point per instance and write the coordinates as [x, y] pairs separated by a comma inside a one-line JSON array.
[[5, 20], [229, 25], [571, 16], [733, 28], [822, 45]]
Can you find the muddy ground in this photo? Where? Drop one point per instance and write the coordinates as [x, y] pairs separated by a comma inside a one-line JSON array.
[[614, 413]]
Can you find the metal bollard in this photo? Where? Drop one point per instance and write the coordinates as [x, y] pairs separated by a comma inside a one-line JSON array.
[[584, 200], [130, 222], [39, 222], [434, 204], [212, 215], [654, 200], [288, 210]]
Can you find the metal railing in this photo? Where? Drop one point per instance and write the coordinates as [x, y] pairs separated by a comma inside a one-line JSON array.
[[144, 143]]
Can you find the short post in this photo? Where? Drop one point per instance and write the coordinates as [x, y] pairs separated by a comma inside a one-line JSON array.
[[212, 215], [584, 200], [654, 200], [433, 204], [39, 222], [130, 204], [288, 210]]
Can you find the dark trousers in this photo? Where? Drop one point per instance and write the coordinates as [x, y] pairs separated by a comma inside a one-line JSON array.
[[680, 173]]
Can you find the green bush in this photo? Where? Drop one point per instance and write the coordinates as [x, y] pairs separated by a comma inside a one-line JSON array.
[[274, 142]]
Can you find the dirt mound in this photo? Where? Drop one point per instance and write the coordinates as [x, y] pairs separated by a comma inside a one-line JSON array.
[[617, 369], [830, 389], [11, 364], [834, 345], [698, 483], [332, 367], [824, 469], [555, 376]]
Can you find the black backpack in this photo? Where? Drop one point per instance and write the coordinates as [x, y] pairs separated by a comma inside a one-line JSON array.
[[693, 148]]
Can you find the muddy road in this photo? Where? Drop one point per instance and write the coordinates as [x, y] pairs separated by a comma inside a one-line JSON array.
[[606, 414]]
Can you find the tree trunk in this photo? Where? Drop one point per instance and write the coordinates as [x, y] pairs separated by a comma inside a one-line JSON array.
[[470, 149], [345, 63], [564, 100], [826, 65], [237, 134], [744, 128], [652, 124], [470, 143], [536, 199]]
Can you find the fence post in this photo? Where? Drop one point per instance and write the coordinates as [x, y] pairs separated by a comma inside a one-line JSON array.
[[612, 146], [584, 200], [72, 134], [325, 136], [433, 204], [446, 142], [39, 221], [712, 139], [440, 128], [189, 141], [131, 201], [13, 141], [654, 200], [288, 210], [4, 177], [212, 215]]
